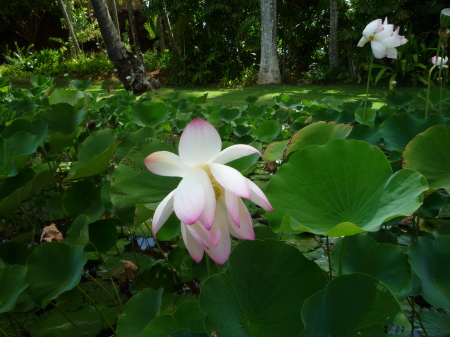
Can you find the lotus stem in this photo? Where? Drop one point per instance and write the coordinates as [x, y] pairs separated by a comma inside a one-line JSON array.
[[69, 319], [429, 77], [367, 89], [104, 289], [341, 256], [98, 309]]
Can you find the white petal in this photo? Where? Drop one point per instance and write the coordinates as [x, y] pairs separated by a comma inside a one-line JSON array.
[[385, 33], [190, 197], [391, 53], [207, 216], [231, 201], [221, 251], [378, 49], [392, 42], [194, 248], [166, 163], [162, 212], [231, 179], [363, 41], [372, 27], [258, 196], [245, 231], [235, 152], [199, 144]]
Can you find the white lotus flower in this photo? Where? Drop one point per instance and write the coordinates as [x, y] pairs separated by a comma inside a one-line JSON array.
[[208, 199], [440, 62], [383, 39]]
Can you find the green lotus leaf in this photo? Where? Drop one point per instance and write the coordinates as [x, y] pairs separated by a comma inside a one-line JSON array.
[[341, 188], [360, 253], [94, 154], [352, 305], [429, 259], [83, 197], [102, 235], [54, 268], [75, 98], [149, 114], [262, 292], [317, 134], [429, 153], [138, 311], [134, 184], [13, 280], [267, 131]]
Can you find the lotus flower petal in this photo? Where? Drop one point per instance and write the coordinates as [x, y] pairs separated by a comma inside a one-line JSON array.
[[232, 204], [258, 196], [378, 49], [190, 197], [245, 231], [164, 163], [373, 27], [199, 144], [363, 41], [162, 212], [231, 179], [235, 152], [195, 249]]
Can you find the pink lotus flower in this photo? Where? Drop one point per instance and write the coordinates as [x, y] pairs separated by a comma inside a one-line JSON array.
[[383, 39], [208, 199], [440, 62]]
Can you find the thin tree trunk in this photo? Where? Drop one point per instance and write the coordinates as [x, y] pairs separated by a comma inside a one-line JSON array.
[[113, 10], [130, 69], [170, 38], [137, 46], [333, 48], [69, 26], [162, 42], [269, 72]]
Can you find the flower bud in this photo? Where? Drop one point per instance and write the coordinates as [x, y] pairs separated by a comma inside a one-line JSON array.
[[445, 17]]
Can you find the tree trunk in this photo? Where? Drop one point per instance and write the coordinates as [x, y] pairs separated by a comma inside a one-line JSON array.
[[137, 46], [333, 48], [113, 9], [170, 37], [269, 72], [68, 20], [130, 69], [162, 42]]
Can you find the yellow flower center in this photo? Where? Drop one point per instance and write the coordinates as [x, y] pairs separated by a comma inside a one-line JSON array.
[[216, 190]]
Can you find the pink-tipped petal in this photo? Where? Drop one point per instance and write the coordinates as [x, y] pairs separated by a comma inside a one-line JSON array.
[[385, 33], [235, 152], [230, 179], [363, 41], [190, 197], [207, 216], [378, 49], [245, 231], [258, 196], [194, 248], [166, 163], [392, 42], [232, 204], [200, 143], [221, 252], [162, 212]]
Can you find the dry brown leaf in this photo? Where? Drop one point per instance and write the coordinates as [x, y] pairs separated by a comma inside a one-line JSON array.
[[51, 233]]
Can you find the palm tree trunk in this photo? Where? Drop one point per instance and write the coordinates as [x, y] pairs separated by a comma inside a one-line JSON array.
[[137, 46], [130, 69], [333, 48], [269, 72]]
